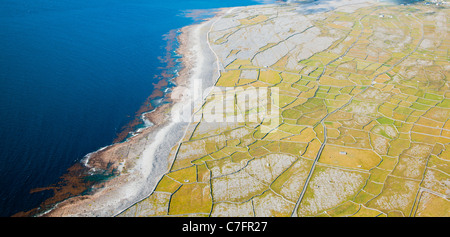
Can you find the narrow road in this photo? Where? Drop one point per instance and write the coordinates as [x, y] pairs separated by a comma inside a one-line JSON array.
[[319, 153]]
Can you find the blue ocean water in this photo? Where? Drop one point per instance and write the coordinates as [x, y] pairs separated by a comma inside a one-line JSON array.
[[72, 73]]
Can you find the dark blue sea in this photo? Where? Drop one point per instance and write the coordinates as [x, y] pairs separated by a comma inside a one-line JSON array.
[[72, 74]]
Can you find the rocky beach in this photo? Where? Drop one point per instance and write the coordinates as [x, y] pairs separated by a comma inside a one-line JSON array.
[[140, 161], [352, 119]]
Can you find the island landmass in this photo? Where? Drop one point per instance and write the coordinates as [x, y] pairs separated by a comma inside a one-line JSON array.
[[332, 108]]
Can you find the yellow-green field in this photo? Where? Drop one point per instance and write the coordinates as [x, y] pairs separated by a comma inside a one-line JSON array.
[[363, 127]]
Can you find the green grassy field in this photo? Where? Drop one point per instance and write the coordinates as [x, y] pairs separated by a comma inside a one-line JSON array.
[[363, 127]]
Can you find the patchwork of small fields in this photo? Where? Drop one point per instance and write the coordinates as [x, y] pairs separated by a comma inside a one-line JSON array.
[[363, 122]]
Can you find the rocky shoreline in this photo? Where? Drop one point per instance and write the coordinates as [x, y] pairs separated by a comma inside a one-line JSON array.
[[138, 163]]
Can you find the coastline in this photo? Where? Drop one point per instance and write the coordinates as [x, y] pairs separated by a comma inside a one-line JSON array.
[[213, 188], [142, 159], [125, 159]]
